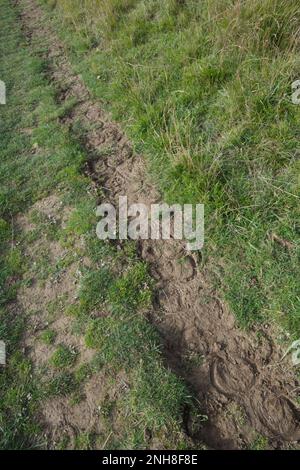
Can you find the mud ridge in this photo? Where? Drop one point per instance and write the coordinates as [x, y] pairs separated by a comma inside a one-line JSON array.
[[239, 379]]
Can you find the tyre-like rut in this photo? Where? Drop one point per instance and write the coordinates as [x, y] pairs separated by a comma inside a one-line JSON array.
[[239, 379]]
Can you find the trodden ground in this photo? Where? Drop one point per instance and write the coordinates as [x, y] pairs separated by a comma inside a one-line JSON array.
[[136, 345]]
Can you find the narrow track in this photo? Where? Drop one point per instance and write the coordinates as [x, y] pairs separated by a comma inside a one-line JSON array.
[[239, 379]]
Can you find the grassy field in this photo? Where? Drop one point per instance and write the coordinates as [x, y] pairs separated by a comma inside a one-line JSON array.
[[39, 159], [204, 91]]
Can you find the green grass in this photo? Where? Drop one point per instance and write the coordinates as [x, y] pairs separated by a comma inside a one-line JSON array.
[[64, 357], [18, 392], [34, 165], [203, 89], [48, 336], [62, 384], [260, 443]]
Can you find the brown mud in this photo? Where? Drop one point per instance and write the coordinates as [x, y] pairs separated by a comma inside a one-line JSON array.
[[243, 386]]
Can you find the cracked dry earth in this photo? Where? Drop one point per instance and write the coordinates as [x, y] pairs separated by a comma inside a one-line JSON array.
[[241, 382]]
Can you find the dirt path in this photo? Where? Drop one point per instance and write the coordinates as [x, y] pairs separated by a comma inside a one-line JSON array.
[[241, 383]]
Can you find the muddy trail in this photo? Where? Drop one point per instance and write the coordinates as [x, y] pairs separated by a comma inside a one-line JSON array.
[[239, 378]]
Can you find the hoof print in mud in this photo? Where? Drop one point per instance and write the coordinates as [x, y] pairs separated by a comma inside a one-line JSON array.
[[232, 378], [279, 415], [183, 270], [188, 269]]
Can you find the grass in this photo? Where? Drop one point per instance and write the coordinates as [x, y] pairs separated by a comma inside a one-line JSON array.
[[260, 443], [48, 336], [64, 357], [113, 292], [62, 384], [203, 89], [18, 392]]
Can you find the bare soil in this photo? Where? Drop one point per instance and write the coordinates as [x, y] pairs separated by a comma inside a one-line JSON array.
[[239, 378]]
